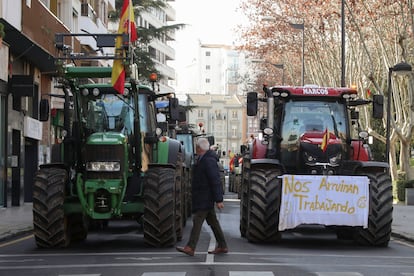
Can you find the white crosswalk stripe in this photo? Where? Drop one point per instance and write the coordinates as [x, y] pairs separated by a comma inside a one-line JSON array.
[[251, 273], [338, 274], [164, 274]]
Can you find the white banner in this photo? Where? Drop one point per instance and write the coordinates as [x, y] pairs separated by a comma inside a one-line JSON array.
[[324, 199]]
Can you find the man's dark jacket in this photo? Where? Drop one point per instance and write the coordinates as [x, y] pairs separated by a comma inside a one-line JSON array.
[[206, 184]]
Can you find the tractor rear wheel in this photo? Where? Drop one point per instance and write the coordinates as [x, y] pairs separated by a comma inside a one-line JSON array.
[[264, 205], [244, 201], [159, 207], [378, 232], [49, 220]]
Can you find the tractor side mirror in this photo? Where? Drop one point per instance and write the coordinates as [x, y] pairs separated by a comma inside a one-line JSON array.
[[181, 114], [44, 110], [378, 106], [251, 103], [174, 109]]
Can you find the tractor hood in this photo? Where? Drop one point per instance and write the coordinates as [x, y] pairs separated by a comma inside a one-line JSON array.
[[106, 138]]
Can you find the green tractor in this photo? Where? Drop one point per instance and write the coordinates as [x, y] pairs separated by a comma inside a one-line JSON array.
[[113, 163]]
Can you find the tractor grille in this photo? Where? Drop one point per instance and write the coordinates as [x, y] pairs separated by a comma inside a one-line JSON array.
[[101, 153]]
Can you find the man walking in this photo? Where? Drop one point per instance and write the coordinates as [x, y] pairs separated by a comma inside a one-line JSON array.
[[207, 191]]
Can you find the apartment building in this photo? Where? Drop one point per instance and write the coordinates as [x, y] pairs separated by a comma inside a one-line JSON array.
[[223, 116], [28, 75], [218, 69], [161, 49]]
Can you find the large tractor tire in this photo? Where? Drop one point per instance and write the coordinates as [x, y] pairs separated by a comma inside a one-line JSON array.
[[378, 232], [51, 226], [179, 207], [264, 205], [244, 202], [159, 207]]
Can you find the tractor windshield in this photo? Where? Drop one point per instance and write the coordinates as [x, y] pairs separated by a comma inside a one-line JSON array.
[[309, 117], [108, 113]]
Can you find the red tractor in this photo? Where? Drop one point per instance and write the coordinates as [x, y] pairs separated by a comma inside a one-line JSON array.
[[312, 165]]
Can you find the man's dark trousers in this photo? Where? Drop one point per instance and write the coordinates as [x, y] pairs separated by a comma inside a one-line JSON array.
[[211, 218]]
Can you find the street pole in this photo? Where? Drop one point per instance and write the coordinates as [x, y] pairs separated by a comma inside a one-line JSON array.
[[303, 54], [343, 43], [388, 126]]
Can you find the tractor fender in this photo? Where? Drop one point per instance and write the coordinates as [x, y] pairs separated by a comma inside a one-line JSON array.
[[373, 165], [354, 166], [168, 151], [263, 162]]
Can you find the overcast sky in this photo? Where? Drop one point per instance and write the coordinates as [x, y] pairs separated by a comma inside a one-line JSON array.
[[209, 21]]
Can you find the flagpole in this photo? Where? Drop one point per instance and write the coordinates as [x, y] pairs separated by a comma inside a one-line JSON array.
[[130, 48]]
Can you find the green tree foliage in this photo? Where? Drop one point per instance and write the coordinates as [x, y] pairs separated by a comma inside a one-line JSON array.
[[144, 57]]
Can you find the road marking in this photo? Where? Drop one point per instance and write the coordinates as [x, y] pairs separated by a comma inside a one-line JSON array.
[[251, 273], [164, 273], [338, 274], [211, 246], [16, 241], [22, 261], [193, 264], [143, 258], [79, 274]]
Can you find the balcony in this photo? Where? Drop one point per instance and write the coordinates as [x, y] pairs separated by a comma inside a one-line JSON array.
[[36, 40]]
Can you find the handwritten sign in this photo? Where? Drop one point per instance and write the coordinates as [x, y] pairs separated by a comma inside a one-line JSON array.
[[324, 199]]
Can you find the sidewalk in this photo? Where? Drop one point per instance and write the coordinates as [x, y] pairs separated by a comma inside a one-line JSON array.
[[19, 220]]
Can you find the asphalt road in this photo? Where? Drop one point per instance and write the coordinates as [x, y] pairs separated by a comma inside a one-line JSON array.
[[120, 250]]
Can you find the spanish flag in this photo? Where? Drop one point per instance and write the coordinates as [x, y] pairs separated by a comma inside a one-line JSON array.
[[325, 140], [126, 26]]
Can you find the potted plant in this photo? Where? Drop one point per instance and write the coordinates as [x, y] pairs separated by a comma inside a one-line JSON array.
[[2, 33]]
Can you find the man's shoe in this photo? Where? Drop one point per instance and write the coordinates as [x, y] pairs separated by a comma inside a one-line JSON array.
[[219, 250], [186, 250]]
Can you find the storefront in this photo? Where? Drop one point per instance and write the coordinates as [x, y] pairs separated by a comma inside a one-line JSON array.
[[4, 61]]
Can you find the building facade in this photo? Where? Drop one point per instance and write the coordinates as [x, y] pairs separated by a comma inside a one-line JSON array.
[[160, 49], [222, 116], [218, 69], [28, 75]]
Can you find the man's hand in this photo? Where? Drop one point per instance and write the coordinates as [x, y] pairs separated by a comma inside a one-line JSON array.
[[220, 205]]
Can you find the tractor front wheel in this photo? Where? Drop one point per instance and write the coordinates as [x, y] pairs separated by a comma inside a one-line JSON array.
[[49, 220], [378, 232], [159, 207]]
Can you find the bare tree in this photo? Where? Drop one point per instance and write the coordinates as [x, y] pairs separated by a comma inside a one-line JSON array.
[[379, 34]]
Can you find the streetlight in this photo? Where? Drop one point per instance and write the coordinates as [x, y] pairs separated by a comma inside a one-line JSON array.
[[343, 43], [277, 65], [297, 26], [400, 69], [301, 26]]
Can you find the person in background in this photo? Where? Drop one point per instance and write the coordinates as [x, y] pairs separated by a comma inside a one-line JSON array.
[[207, 191]]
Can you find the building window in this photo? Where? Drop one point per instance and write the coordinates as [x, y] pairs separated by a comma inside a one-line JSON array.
[[207, 80], [233, 131], [208, 53], [200, 113], [208, 67], [234, 114]]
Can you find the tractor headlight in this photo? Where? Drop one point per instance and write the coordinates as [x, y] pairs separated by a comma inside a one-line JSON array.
[[309, 158], [103, 166], [336, 159], [268, 131]]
